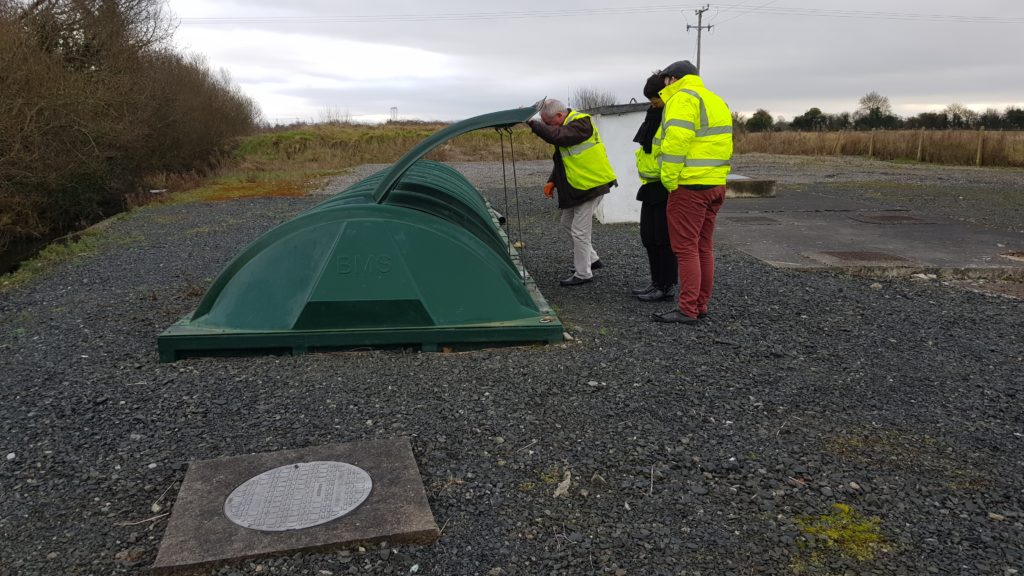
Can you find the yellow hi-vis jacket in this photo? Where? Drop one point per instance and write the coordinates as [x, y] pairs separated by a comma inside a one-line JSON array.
[[648, 164], [696, 128], [586, 163]]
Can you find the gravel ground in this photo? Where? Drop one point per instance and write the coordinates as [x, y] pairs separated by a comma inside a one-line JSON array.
[[692, 450]]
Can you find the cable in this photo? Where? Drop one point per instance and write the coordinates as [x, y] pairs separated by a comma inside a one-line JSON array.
[[421, 17], [504, 184], [741, 14], [783, 11], [606, 11], [519, 215]]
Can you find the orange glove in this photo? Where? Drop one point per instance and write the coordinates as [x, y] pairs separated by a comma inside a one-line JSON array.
[[549, 189]]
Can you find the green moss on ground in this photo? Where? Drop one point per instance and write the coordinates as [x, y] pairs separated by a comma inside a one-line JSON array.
[[843, 534]]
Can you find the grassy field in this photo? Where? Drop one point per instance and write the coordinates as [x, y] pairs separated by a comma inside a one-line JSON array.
[[292, 162], [954, 147]]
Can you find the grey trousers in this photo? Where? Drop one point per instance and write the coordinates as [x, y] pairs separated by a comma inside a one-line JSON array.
[[579, 221]]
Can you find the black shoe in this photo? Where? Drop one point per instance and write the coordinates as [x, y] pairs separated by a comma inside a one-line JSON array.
[[674, 316], [575, 280], [656, 295], [595, 266], [639, 291]]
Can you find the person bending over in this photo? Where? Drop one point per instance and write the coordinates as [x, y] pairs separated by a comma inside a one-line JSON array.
[[581, 175]]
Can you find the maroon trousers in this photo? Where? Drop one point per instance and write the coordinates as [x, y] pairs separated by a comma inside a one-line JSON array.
[[691, 224]]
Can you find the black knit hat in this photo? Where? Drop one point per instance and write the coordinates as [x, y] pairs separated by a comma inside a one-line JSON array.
[[679, 69], [654, 85]]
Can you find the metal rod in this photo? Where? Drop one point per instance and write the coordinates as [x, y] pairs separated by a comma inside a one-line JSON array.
[[504, 184], [519, 215]]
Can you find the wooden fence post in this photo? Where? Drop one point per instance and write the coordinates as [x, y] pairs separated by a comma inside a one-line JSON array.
[[871, 144], [920, 145], [981, 145]]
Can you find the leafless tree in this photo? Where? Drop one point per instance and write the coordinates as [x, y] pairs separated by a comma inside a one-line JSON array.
[[588, 98], [874, 104]]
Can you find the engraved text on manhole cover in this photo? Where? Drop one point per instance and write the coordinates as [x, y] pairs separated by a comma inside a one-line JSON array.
[[298, 496]]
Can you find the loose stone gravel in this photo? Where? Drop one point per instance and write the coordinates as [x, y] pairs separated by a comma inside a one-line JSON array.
[[698, 451]]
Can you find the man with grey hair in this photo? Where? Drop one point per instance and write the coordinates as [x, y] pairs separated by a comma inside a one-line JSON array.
[[581, 174]]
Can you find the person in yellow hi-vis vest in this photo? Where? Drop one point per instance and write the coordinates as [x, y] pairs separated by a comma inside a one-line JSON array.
[[653, 200], [696, 151], [581, 174]]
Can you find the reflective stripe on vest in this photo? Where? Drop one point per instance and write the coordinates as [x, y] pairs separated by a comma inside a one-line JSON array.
[[580, 148], [711, 131], [681, 123], [707, 163], [696, 163], [714, 131], [703, 108]]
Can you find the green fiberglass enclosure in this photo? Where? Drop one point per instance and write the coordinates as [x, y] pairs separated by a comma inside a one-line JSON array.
[[411, 256]]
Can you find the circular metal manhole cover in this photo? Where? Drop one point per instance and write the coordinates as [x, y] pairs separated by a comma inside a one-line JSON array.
[[298, 496]]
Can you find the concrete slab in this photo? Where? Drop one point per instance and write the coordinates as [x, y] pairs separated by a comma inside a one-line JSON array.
[[798, 201], [199, 534], [807, 231], [737, 186]]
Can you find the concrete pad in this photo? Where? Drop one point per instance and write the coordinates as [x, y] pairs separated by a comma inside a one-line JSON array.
[[737, 186], [891, 218], [797, 201], [199, 534], [806, 231], [1013, 290]]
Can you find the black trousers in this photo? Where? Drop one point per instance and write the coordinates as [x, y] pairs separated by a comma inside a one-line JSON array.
[[654, 237]]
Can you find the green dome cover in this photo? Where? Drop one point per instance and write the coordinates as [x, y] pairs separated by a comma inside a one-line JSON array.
[[412, 255]]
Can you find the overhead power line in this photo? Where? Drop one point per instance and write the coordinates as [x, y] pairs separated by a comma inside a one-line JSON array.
[[875, 15], [747, 11], [740, 9]]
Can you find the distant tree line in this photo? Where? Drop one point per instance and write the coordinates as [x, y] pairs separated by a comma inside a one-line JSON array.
[[93, 100], [875, 112]]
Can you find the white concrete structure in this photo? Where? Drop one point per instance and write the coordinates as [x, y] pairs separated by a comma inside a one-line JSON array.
[[617, 125]]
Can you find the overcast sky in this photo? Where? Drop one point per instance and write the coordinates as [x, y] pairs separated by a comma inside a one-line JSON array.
[[452, 59]]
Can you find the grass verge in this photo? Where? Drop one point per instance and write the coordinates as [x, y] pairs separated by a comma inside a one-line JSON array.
[[236, 185], [56, 253]]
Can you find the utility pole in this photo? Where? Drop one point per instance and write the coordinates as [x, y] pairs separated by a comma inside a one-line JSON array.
[[700, 17]]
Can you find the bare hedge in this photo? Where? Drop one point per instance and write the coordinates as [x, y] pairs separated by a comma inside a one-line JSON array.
[[93, 99]]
